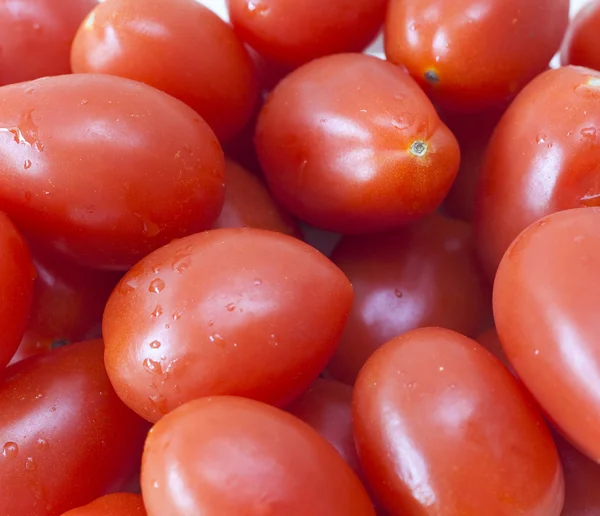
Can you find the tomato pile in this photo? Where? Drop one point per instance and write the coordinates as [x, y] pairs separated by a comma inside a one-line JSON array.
[[250, 266]]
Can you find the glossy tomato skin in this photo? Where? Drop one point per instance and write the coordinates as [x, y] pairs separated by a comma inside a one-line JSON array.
[[294, 33], [178, 46], [549, 329], [118, 504], [423, 275], [582, 42], [68, 302], [66, 437], [277, 463], [442, 428], [470, 56], [17, 276], [542, 158], [36, 37], [104, 169], [248, 204], [350, 143], [582, 477], [231, 311]]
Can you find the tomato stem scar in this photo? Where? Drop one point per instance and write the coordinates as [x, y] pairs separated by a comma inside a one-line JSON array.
[[432, 77], [418, 148]]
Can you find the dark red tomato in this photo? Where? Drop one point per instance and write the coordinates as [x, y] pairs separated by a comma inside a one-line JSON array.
[[473, 132], [17, 276], [178, 46], [581, 45], [325, 406], [248, 204], [582, 478], [294, 33], [543, 157], [66, 437], [351, 144], [120, 504], [104, 169], [68, 302], [443, 429], [545, 307], [227, 455], [423, 275], [36, 37], [231, 311], [490, 341], [470, 55]]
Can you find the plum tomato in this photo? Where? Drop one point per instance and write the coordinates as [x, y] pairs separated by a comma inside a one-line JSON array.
[[581, 45], [423, 275], [244, 312], [105, 169], [17, 277], [542, 158], [442, 428], [248, 204], [294, 33], [275, 463], [582, 478], [36, 37], [470, 55], [68, 302], [326, 407], [178, 46], [66, 437], [351, 144], [545, 308], [118, 504]]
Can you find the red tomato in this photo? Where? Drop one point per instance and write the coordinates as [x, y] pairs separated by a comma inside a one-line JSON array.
[[442, 428], [351, 144], [104, 169], [325, 406], [473, 132], [582, 478], [120, 504], [543, 157], [177, 46], [422, 275], [36, 36], [248, 204], [294, 33], [66, 437], [545, 307], [231, 311], [470, 55], [17, 275], [68, 302], [228, 455], [581, 45]]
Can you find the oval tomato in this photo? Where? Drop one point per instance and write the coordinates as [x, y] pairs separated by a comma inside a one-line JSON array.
[[120, 504], [469, 55], [543, 157], [66, 437], [17, 276], [36, 36], [277, 463], [581, 45], [68, 302], [248, 204], [178, 46], [351, 144], [545, 309], [442, 428], [294, 33], [230, 311], [104, 169], [422, 275]]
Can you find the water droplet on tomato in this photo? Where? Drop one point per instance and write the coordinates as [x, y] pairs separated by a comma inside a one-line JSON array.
[[10, 450], [540, 138], [156, 286], [398, 293], [588, 133], [177, 315], [182, 263], [258, 282], [155, 344], [230, 307], [42, 444], [30, 464], [157, 312], [27, 164], [152, 366], [217, 339]]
